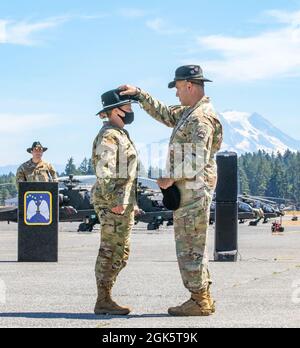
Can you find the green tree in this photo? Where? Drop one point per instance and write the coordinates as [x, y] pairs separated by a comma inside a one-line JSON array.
[[90, 170], [83, 168], [4, 195], [70, 167], [8, 185], [243, 181]]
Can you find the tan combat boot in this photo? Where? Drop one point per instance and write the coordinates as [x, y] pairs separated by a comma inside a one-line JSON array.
[[106, 306], [200, 305]]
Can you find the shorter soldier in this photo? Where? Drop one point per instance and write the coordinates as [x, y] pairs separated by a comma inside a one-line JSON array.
[[114, 196], [36, 170]]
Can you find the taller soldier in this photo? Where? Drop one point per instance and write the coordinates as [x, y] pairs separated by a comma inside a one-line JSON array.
[[197, 128], [114, 196], [36, 170]]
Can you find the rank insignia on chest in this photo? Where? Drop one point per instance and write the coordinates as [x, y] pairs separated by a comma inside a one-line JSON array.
[[201, 134]]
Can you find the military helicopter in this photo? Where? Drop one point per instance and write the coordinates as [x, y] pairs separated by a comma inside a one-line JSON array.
[[263, 207], [270, 207], [75, 205], [7, 213], [254, 209], [245, 212]]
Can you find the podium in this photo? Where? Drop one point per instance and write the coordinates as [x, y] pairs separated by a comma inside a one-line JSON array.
[[38, 217]]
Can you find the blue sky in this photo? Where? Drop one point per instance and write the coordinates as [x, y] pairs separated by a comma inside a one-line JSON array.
[[57, 57]]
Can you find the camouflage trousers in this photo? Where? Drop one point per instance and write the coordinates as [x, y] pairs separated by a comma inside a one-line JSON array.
[[115, 245], [191, 224]]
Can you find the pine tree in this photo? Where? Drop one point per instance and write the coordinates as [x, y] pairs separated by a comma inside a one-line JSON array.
[[277, 183], [83, 168], [8, 185], [4, 195], [295, 178], [90, 170], [243, 179], [70, 167]]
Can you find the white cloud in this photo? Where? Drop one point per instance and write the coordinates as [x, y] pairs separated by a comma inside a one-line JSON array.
[[95, 17], [267, 55], [292, 18], [21, 33], [11, 124], [132, 13], [2, 31], [18, 131], [161, 26]]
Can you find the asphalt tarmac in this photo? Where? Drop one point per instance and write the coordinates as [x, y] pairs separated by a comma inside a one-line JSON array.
[[261, 290]]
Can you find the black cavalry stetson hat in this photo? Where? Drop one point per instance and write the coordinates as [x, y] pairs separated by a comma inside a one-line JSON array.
[[37, 144], [172, 197], [112, 99], [188, 73]]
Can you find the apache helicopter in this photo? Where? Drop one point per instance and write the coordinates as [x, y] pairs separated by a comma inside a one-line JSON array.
[[253, 208], [75, 205], [245, 212], [264, 208], [270, 208]]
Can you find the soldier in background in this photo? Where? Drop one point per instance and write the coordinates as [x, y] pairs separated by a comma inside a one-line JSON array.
[[36, 170], [115, 162], [195, 123]]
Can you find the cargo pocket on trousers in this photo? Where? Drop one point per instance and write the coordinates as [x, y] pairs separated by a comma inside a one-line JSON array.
[[107, 219], [179, 228]]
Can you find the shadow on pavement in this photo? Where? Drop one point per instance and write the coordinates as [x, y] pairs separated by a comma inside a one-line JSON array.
[[16, 262], [78, 316]]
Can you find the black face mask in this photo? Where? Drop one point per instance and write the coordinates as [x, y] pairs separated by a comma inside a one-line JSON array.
[[129, 117]]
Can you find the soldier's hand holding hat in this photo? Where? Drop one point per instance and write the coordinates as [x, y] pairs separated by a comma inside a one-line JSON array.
[[119, 210], [165, 183], [129, 90]]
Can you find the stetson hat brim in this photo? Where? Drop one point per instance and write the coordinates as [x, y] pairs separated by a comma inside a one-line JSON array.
[[114, 106], [173, 83]]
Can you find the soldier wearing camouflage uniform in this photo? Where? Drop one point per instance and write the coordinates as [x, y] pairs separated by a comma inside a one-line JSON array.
[[195, 123], [114, 197], [36, 170]]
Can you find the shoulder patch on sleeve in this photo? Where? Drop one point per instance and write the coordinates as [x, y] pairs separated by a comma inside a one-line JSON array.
[[110, 137]]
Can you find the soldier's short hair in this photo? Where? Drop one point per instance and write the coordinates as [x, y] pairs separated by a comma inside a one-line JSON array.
[[197, 82]]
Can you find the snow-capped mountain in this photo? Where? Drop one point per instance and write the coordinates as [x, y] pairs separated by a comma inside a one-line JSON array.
[[244, 132]]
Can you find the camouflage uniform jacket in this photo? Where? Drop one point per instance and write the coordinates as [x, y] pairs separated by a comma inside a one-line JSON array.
[[197, 127], [40, 172], [115, 162]]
